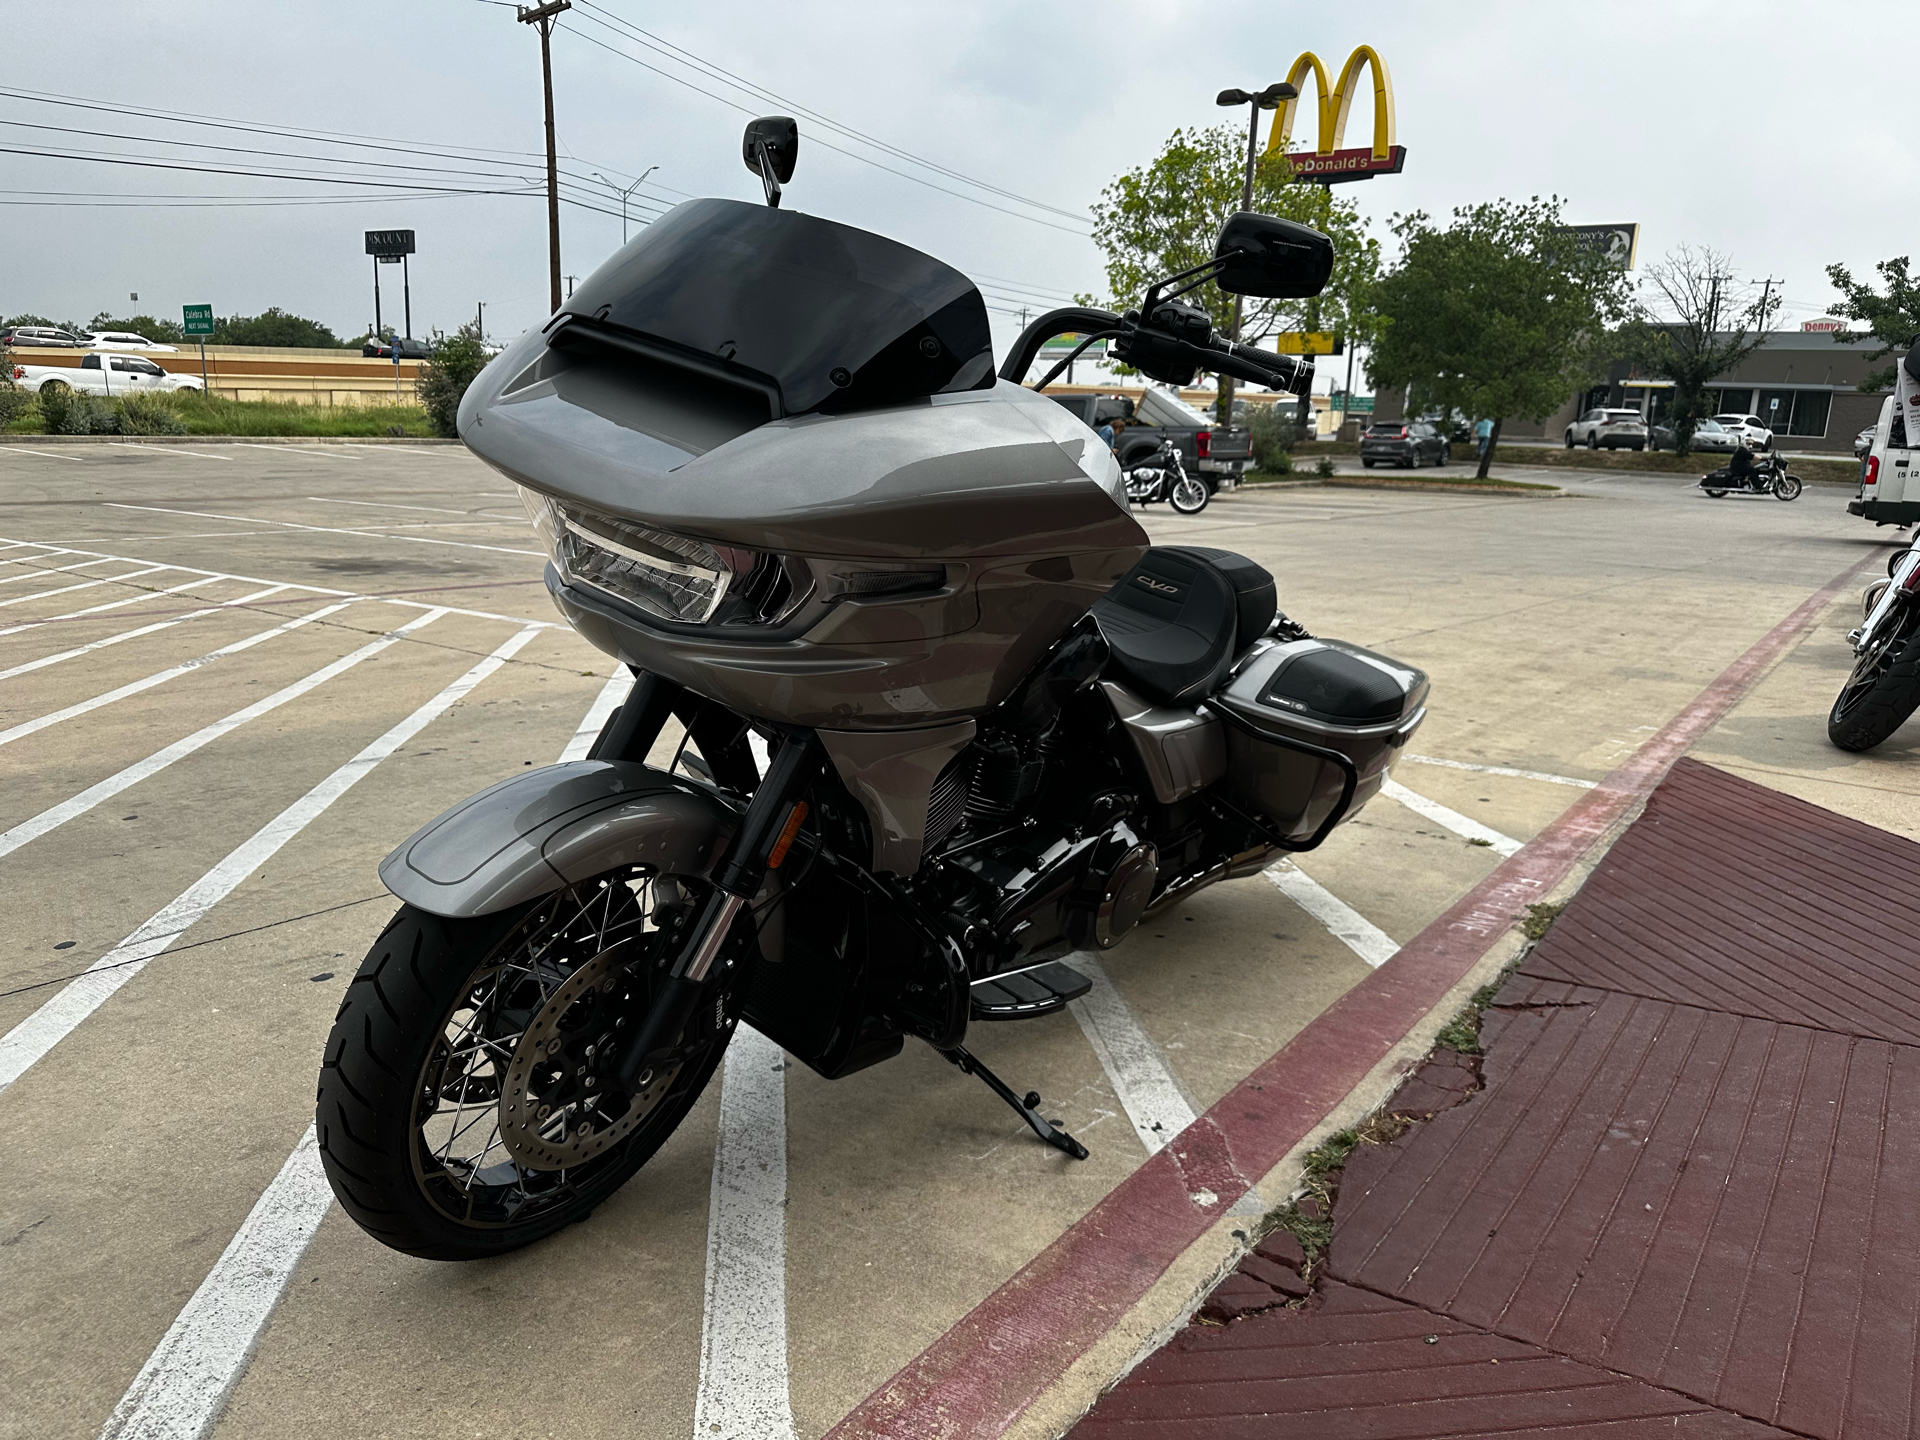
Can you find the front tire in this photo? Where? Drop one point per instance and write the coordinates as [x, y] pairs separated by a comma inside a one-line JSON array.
[[1593, 440], [1188, 496], [1786, 487], [1880, 695], [424, 1064], [1569, 439]]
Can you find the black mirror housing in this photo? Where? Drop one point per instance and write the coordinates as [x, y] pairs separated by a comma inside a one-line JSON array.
[[1271, 258], [781, 136]]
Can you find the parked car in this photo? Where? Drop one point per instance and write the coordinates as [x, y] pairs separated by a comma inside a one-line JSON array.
[[410, 348], [1609, 428], [1707, 435], [1406, 443], [103, 375], [1213, 452], [123, 340], [1862, 443], [1751, 428], [18, 336]]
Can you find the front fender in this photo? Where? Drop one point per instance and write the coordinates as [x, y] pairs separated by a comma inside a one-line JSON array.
[[542, 829]]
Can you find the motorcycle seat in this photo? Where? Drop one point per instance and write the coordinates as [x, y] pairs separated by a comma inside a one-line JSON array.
[[1176, 622]]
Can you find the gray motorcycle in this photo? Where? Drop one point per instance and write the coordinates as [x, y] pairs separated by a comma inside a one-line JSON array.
[[944, 716]]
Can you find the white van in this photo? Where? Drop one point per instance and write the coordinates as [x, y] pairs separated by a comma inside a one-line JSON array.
[[1889, 493]]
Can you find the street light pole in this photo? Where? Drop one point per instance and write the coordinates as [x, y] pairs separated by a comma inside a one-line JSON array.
[[542, 18], [623, 194], [1256, 101]]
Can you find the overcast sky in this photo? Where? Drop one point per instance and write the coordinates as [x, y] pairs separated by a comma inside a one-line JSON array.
[[1751, 128]]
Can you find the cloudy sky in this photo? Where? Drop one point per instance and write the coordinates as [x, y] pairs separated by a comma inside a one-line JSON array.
[[966, 130]]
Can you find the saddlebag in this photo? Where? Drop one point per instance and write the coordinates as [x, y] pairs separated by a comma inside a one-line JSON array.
[[1311, 727]]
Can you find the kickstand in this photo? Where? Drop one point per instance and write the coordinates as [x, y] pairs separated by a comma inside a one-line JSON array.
[[1028, 1109]]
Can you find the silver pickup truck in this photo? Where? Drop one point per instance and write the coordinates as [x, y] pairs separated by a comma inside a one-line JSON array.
[[1215, 452], [99, 374]]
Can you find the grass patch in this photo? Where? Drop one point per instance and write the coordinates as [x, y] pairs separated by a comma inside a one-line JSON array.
[[1308, 1217], [1443, 482], [211, 415], [1540, 919]]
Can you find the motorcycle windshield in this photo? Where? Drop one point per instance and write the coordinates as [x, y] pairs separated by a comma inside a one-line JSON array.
[[831, 317]]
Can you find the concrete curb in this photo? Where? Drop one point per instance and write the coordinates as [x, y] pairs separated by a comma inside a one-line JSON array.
[[45, 440], [1429, 487]]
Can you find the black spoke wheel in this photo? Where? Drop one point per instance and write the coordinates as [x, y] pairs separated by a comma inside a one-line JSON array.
[[1880, 694], [464, 1106]]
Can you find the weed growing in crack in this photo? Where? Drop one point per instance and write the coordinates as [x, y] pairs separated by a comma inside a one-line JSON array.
[[1308, 1216], [1540, 919]]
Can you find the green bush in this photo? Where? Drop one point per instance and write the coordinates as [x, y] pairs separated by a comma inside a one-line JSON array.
[[443, 379], [1273, 436], [13, 400], [150, 412], [276, 327], [1323, 467]]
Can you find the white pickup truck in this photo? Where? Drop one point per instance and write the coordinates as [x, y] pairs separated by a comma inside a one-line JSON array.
[[104, 375]]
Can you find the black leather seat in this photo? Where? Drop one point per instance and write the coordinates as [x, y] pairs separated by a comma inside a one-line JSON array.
[[1177, 621]]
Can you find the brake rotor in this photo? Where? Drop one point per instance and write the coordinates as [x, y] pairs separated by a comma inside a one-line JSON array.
[[556, 1109]]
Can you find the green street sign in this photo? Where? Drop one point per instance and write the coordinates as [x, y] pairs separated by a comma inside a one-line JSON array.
[[198, 319]]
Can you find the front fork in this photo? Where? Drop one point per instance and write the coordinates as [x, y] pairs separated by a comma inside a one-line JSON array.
[[1904, 586]]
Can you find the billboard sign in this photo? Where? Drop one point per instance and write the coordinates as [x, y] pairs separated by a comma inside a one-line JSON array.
[[1329, 164], [1060, 346], [1823, 327], [389, 244], [1619, 243]]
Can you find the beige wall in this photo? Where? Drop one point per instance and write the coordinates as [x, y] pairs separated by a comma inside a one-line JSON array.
[[286, 376]]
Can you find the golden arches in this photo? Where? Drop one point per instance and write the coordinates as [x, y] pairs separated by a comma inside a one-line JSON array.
[[1336, 101]]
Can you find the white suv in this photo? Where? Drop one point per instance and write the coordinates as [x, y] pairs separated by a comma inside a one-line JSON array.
[[1750, 428], [1611, 428], [123, 340]]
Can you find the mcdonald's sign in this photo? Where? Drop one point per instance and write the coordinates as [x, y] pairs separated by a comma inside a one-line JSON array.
[[1328, 164]]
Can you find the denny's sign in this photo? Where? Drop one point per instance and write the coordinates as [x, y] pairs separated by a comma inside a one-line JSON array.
[[1328, 163]]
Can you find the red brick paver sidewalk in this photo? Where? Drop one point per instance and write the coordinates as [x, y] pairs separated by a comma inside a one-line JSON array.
[[1686, 1202]]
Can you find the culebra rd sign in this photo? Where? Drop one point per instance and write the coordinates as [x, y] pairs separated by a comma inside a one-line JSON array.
[[1327, 163]]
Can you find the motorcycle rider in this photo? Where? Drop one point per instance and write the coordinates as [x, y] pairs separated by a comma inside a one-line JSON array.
[[1740, 468]]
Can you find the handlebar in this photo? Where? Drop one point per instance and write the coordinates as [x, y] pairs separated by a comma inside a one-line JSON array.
[[1160, 353], [1262, 367]]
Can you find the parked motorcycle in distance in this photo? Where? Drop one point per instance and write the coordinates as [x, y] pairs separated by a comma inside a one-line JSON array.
[[955, 717], [1884, 689], [1768, 476], [1163, 476]]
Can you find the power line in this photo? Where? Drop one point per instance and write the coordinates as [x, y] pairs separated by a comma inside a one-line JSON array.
[[719, 72], [824, 144]]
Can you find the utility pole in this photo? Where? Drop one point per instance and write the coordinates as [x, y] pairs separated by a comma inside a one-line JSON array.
[[542, 18], [1766, 294]]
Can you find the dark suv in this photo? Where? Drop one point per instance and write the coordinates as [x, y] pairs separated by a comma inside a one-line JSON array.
[[1405, 443]]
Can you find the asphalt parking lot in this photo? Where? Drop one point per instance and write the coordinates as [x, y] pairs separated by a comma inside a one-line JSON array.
[[233, 676]]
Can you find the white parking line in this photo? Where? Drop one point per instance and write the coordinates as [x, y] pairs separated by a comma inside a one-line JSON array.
[[744, 1392], [50, 570], [83, 585], [170, 451], [43, 454], [301, 450], [180, 1390], [331, 529], [1343, 922], [58, 815], [55, 1020], [1503, 770], [611, 695], [112, 604], [124, 635], [381, 505], [160, 677], [1502, 845]]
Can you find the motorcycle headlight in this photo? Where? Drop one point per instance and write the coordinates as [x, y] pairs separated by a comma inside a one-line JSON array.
[[672, 576]]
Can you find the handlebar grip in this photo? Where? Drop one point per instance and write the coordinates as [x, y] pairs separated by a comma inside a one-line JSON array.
[[1263, 367]]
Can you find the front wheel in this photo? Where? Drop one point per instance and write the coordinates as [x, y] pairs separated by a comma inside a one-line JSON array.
[[1880, 694], [1569, 439], [464, 1108], [1593, 440], [1189, 496], [1786, 487]]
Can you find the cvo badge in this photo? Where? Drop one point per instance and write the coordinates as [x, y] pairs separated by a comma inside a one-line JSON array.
[[1159, 587]]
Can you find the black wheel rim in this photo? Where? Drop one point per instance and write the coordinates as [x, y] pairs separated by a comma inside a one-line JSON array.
[[1866, 674], [462, 1162]]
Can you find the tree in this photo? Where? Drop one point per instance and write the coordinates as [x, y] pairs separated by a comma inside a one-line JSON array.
[[276, 327], [1500, 315], [1164, 217], [166, 332], [1893, 318], [1706, 323], [444, 377]]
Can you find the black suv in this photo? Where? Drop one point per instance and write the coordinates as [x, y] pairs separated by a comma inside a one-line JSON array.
[[1405, 443]]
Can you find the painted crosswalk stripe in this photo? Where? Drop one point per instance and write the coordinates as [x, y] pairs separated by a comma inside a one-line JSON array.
[[45, 660], [186, 1380], [611, 696], [193, 584], [1343, 922], [52, 818], [160, 677], [744, 1392], [1464, 825], [180, 1390], [1502, 770], [55, 1020]]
